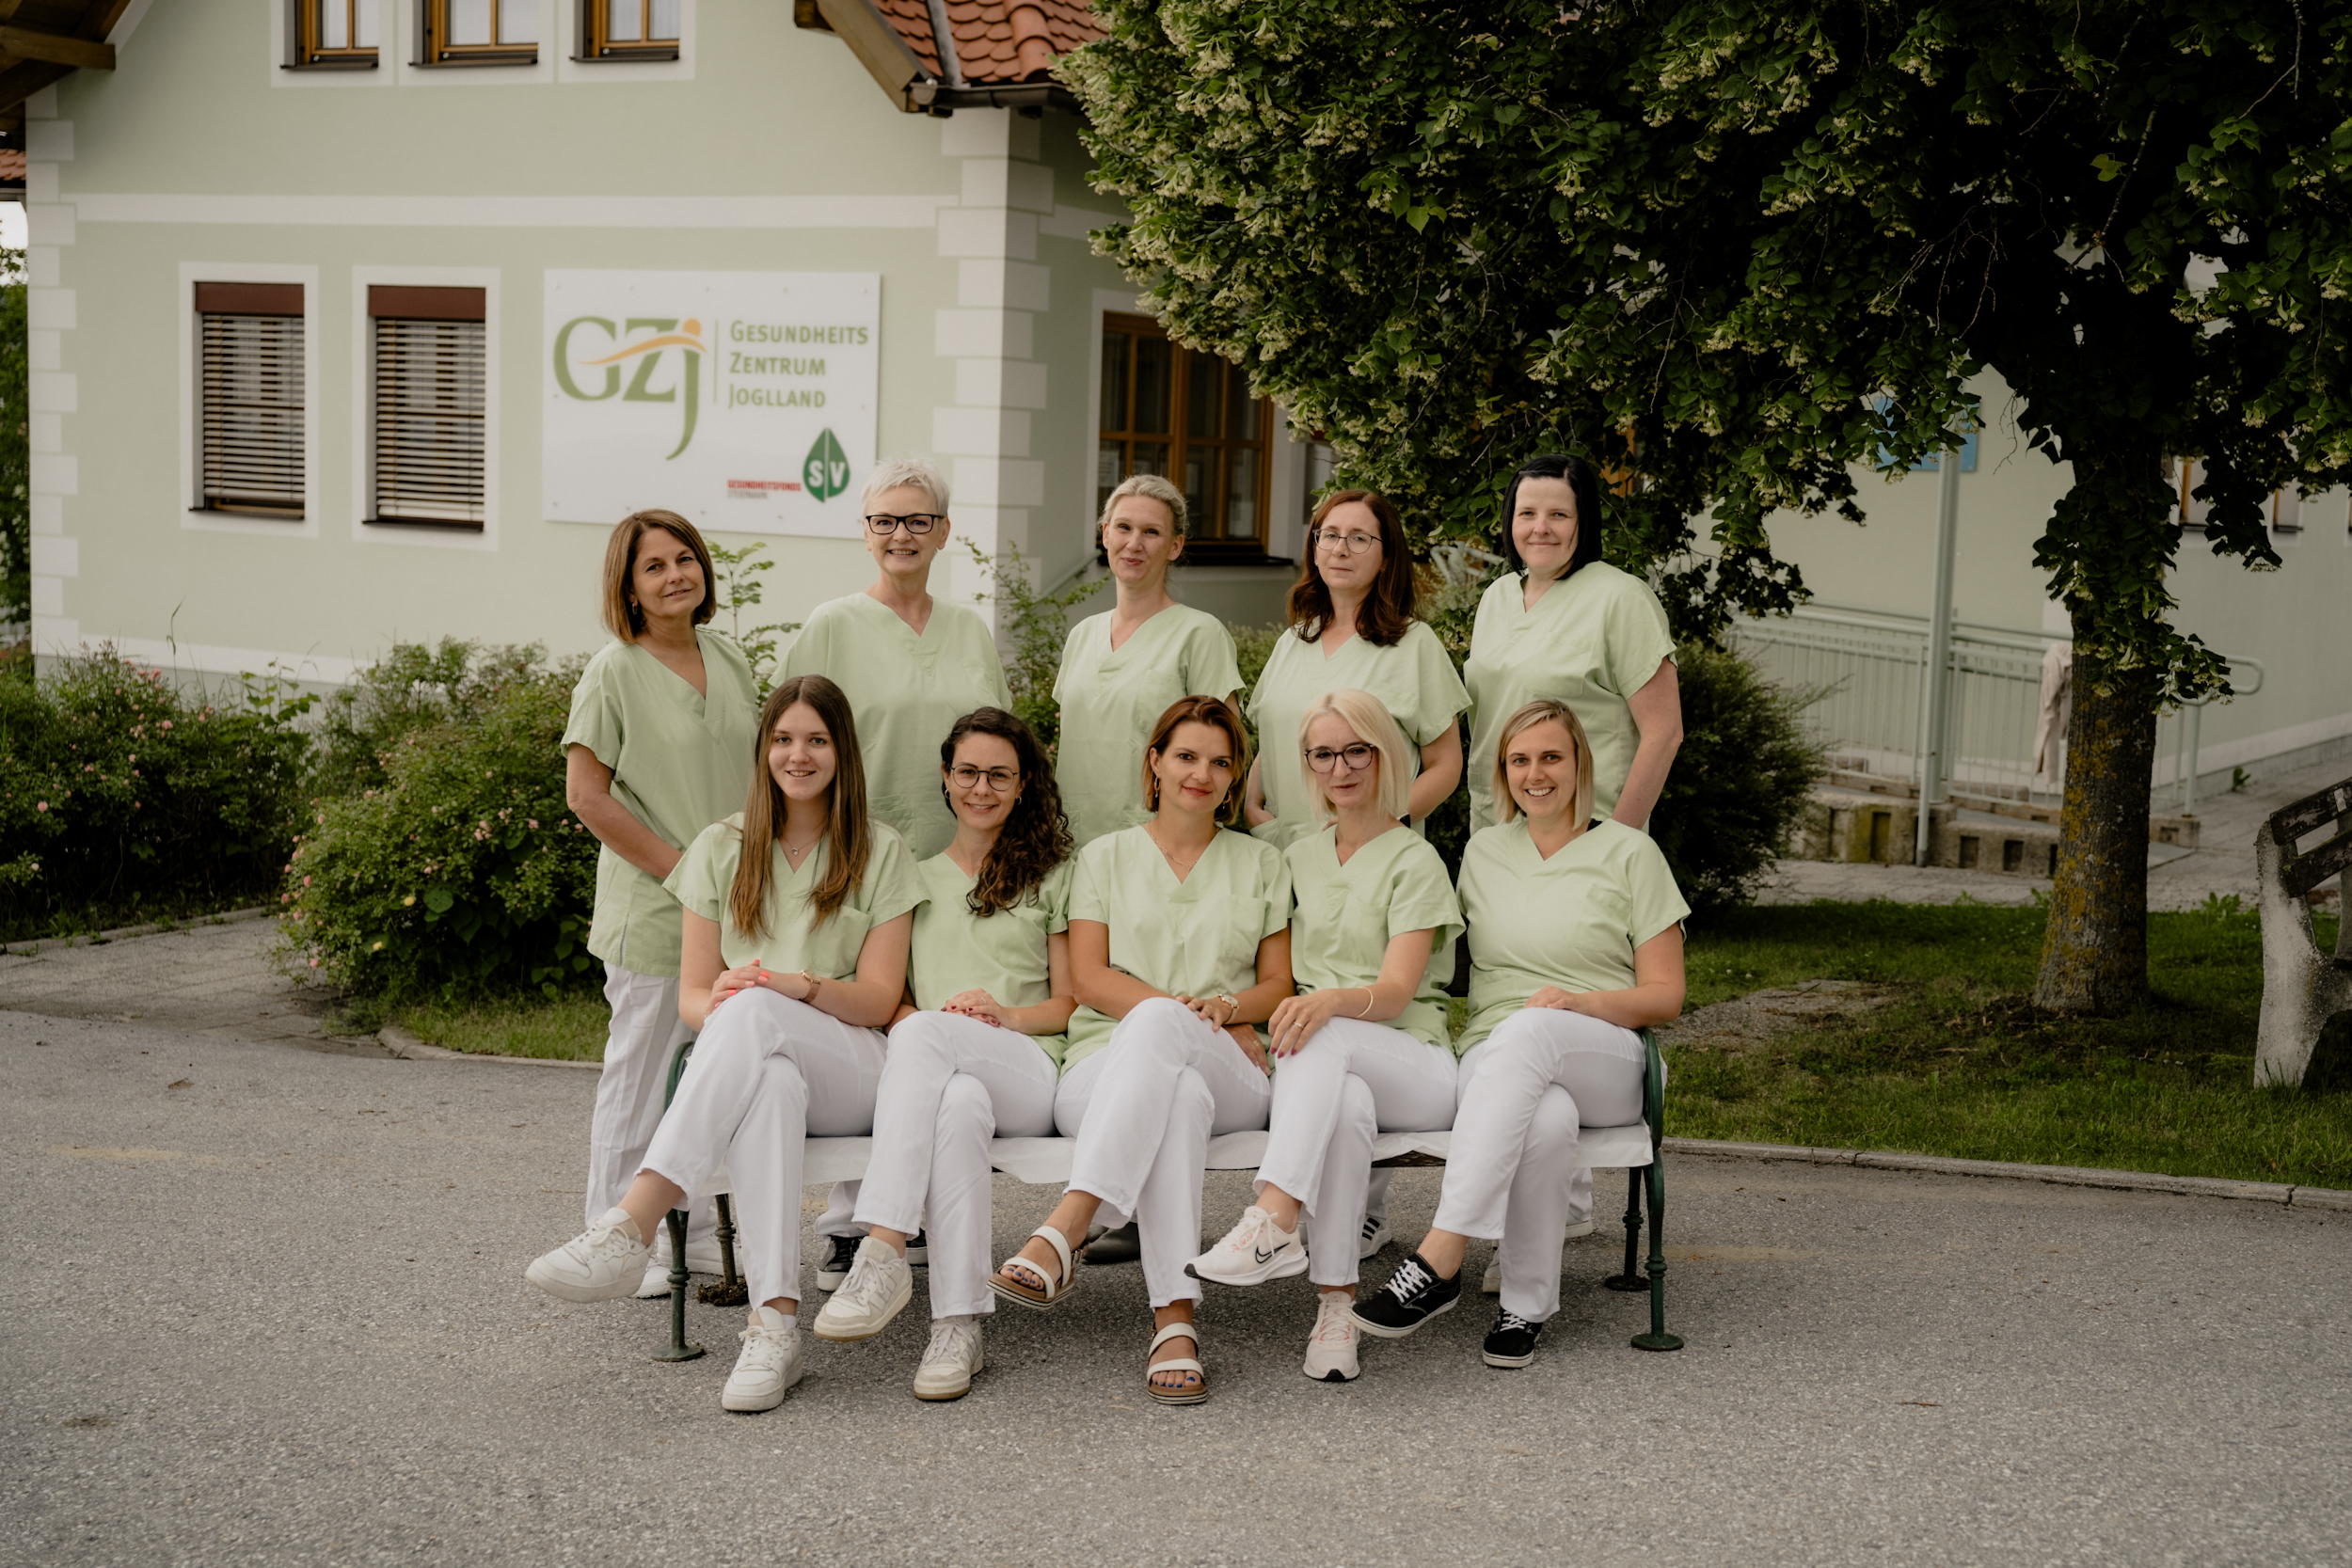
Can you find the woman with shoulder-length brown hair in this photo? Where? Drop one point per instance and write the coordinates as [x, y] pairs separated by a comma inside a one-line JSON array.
[[1352, 626], [796, 919], [658, 747], [1179, 944]]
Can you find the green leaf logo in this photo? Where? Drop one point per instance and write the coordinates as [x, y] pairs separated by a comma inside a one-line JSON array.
[[826, 473]]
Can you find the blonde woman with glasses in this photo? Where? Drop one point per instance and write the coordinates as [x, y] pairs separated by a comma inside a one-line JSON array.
[[1361, 1049], [1575, 942]]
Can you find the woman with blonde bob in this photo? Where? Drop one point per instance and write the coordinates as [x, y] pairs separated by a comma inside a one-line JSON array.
[[1360, 1050], [1575, 942], [659, 746], [797, 912], [1179, 941]]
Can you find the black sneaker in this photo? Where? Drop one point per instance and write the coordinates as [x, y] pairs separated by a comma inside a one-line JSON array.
[[836, 1267], [1512, 1340], [1413, 1295], [1123, 1246], [918, 1250]]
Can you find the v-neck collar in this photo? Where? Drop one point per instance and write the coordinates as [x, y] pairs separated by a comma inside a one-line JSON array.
[[1120, 650], [1184, 882], [701, 649], [892, 617]]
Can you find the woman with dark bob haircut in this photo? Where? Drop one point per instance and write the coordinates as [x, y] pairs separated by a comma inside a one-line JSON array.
[[1352, 626], [658, 747], [1565, 624], [989, 972]]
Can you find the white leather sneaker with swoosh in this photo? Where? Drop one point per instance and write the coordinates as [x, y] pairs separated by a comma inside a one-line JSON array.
[[1252, 1253]]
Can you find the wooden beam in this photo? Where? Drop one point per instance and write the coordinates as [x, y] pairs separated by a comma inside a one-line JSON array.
[[105, 17], [78, 53], [876, 45], [20, 82]]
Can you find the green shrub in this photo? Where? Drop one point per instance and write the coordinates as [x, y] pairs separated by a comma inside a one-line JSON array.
[[1037, 625], [463, 871], [124, 797], [410, 689], [1740, 782]]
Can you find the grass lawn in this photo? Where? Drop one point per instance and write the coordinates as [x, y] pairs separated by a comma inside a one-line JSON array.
[[1956, 1062]]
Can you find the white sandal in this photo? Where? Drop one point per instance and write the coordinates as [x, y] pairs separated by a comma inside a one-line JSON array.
[[1013, 1289], [1177, 1364]]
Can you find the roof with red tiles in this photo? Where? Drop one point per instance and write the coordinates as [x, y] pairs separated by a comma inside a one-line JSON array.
[[995, 41]]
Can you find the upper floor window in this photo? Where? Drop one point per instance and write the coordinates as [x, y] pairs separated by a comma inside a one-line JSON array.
[[430, 355], [1189, 416], [249, 444], [481, 32], [624, 29], [336, 32]]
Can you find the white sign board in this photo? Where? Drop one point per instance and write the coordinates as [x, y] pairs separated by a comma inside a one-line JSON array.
[[743, 400]]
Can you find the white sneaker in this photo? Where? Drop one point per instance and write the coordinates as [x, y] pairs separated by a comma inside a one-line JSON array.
[[950, 1361], [880, 1285], [702, 1257], [1252, 1253], [601, 1263], [1332, 1348], [770, 1364], [1374, 1237], [1492, 1284]]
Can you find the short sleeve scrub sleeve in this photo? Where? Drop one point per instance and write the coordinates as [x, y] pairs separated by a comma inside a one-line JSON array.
[[1344, 917], [1414, 680], [1199, 937], [1003, 954], [1572, 921], [1110, 698], [680, 761], [1591, 642], [905, 691], [789, 942]]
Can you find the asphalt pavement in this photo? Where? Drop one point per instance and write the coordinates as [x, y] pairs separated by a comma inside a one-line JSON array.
[[264, 1305]]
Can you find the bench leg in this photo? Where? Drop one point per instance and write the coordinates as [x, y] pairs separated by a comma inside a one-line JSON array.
[[1657, 1339], [1630, 1280], [678, 1349], [731, 1291]]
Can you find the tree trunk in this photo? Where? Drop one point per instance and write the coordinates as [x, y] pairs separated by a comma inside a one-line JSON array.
[[2094, 956]]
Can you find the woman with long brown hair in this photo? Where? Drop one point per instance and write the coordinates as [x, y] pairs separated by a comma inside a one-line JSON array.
[[991, 973], [797, 917], [658, 747]]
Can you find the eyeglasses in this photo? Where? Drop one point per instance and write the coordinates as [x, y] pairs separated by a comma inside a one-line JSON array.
[[999, 779], [1354, 543], [1358, 757], [916, 523]]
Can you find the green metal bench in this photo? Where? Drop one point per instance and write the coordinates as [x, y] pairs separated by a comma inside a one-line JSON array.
[[730, 1290]]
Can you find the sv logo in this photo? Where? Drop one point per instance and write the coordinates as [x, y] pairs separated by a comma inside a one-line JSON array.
[[668, 333]]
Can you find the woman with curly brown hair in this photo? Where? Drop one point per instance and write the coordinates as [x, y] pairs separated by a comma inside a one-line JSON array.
[[991, 973]]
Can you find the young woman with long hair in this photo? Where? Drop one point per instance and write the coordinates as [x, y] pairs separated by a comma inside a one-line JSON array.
[[1179, 941], [1361, 1049], [798, 912], [1575, 942], [990, 974], [659, 746]]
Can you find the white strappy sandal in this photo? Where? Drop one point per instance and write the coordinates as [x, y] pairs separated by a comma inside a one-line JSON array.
[[1013, 1289], [1177, 1364]]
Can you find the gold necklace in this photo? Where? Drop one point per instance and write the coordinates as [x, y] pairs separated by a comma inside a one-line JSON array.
[[1170, 856], [793, 857]]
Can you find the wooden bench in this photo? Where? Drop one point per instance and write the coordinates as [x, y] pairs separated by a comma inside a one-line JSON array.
[[2302, 987], [1045, 1163]]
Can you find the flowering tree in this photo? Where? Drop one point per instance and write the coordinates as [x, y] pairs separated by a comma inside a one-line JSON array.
[[1745, 250]]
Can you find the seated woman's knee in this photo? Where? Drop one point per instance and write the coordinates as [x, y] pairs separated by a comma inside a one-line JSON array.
[[1156, 1017], [1556, 1120]]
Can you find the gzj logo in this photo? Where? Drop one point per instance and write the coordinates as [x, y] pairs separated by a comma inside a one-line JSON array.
[[668, 333], [826, 472]]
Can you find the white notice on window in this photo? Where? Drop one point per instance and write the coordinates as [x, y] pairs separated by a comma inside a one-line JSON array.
[[745, 401]]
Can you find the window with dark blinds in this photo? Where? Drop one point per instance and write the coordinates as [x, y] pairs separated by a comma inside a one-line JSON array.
[[250, 447], [430, 368]]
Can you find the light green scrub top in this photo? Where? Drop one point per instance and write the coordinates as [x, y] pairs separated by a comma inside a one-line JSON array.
[[1414, 681], [1592, 641], [680, 761], [1110, 698], [1003, 954], [905, 691], [1572, 921], [890, 888], [1344, 917], [1199, 937]]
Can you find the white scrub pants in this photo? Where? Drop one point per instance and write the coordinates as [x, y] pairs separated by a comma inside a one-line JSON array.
[[1526, 1091], [768, 1074], [950, 1084], [645, 1034], [1143, 1110], [1352, 1079]]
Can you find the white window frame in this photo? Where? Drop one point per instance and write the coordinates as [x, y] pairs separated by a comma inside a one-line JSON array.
[[193, 515], [363, 409]]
